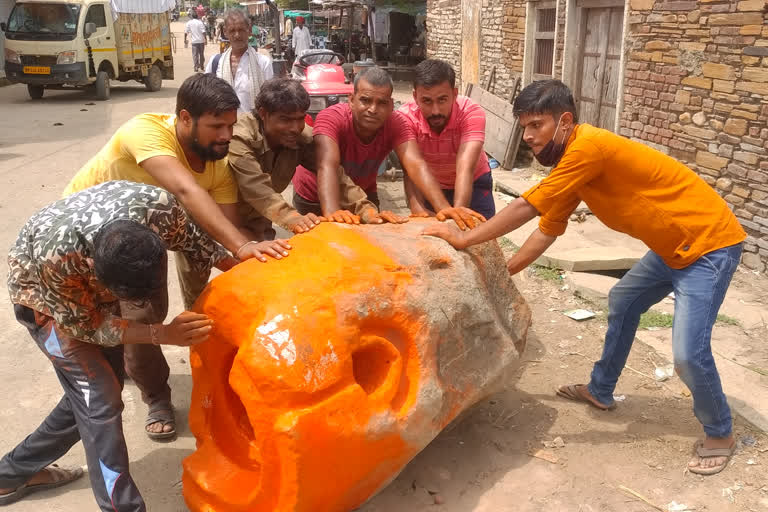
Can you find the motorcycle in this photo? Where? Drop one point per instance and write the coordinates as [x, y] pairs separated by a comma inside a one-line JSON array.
[[322, 75]]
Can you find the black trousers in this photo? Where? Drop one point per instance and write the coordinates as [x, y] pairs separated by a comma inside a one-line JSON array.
[[90, 411]]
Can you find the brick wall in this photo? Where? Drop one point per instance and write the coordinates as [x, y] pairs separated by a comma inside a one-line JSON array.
[[502, 32], [444, 32], [503, 43], [560, 41], [696, 87]]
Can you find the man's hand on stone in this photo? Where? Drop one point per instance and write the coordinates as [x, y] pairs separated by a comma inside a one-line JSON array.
[[278, 249], [343, 217], [447, 232], [371, 216], [464, 217], [303, 223], [186, 329]]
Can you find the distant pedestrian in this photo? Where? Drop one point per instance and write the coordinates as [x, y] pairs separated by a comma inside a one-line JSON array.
[[195, 29], [243, 67], [302, 40]]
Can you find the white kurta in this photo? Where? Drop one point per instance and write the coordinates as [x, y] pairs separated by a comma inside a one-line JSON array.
[[243, 77], [302, 40]]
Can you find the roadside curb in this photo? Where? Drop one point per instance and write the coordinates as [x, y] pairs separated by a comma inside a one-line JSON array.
[[4, 81]]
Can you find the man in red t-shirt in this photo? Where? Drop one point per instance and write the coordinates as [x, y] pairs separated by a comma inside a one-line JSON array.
[[450, 131], [358, 136]]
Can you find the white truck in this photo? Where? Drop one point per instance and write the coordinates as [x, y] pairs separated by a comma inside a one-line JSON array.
[[54, 44]]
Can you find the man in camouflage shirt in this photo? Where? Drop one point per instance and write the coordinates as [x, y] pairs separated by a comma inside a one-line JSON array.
[[82, 272]]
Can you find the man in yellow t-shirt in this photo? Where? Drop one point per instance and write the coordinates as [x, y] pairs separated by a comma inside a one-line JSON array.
[[186, 155], [695, 243]]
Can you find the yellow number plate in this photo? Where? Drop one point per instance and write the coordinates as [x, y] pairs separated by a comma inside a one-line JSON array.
[[37, 70]]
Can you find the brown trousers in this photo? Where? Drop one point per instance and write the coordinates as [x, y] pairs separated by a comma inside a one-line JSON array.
[[145, 363]]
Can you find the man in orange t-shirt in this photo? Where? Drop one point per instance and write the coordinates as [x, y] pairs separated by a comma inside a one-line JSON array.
[[695, 243]]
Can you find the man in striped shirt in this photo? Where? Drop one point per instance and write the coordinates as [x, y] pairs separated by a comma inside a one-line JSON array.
[[450, 131]]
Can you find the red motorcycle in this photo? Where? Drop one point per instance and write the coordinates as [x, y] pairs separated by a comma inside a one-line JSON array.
[[323, 77]]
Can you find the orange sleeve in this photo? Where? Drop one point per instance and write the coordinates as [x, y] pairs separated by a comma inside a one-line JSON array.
[[557, 195], [554, 222], [581, 163]]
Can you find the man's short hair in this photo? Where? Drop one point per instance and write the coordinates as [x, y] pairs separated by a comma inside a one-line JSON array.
[[376, 77], [282, 94], [129, 259], [432, 72], [206, 94], [193, 15], [545, 97], [235, 15]]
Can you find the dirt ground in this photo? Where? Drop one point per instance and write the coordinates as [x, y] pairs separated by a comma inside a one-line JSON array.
[[485, 463]]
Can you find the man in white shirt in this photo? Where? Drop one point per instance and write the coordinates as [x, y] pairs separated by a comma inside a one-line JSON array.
[[242, 66], [302, 40], [195, 29]]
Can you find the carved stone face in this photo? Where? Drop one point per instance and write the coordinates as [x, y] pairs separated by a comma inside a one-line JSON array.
[[328, 371]]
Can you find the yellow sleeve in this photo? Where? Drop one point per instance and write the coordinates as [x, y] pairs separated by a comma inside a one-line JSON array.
[[143, 138], [224, 188]]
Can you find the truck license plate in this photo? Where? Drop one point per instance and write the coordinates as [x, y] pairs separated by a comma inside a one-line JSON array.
[[37, 70]]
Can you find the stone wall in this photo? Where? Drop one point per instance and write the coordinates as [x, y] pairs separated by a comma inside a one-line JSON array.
[[444, 32], [560, 39], [696, 87], [503, 43]]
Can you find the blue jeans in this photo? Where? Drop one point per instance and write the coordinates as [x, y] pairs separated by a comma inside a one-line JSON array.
[[699, 291]]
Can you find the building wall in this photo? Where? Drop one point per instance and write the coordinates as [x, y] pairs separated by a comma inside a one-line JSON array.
[[503, 44], [696, 87], [444, 32]]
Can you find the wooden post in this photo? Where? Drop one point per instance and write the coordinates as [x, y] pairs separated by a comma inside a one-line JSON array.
[[373, 35], [349, 25]]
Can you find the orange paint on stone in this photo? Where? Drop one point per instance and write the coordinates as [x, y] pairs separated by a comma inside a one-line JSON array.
[[309, 395]]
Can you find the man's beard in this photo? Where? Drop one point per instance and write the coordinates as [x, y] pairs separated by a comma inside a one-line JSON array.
[[207, 153], [436, 122]]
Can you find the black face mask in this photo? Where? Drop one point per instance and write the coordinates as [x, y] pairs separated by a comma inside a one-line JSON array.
[[551, 154]]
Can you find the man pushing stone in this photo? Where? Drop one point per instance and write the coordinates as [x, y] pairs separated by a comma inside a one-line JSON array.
[[358, 136], [267, 146], [695, 242], [88, 277]]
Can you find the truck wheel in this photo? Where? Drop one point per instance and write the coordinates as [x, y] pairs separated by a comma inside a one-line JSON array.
[[35, 91], [102, 86], [154, 79]]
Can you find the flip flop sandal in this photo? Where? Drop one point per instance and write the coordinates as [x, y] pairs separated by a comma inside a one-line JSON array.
[[161, 412], [706, 453], [570, 392], [67, 476]]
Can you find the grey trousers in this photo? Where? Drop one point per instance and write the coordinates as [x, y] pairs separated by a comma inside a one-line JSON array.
[[198, 56], [90, 411]]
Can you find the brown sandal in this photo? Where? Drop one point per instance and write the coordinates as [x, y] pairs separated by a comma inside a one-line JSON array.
[[571, 392], [707, 453], [60, 476], [161, 412]]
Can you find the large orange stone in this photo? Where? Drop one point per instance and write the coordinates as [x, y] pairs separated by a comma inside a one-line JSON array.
[[328, 371]]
